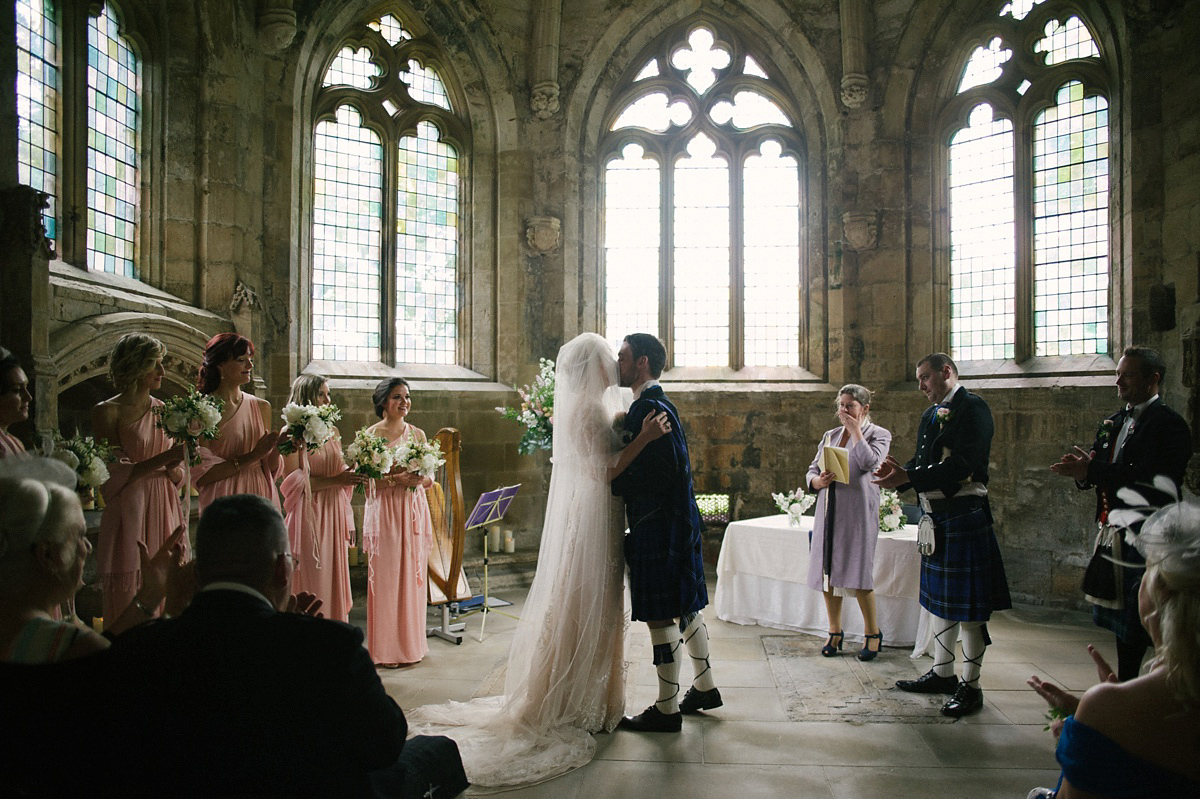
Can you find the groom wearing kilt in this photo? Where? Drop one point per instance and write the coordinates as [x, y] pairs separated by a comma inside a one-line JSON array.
[[662, 548], [962, 573]]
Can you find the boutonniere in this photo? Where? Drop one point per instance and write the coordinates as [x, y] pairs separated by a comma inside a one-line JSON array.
[[625, 436], [1105, 431], [942, 415]]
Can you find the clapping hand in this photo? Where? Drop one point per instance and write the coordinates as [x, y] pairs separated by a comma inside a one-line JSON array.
[[1074, 465], [1063, 703], [156, 570], [890, 474], [306, 604]]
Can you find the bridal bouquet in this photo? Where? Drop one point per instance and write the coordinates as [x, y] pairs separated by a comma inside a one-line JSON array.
[[794, 503], [536, 412], [891, 512], [310, 425], [420, 457], [370, 455], [88, 458], [190, 419]]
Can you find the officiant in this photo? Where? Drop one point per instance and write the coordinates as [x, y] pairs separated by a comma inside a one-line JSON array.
[[1137, 443], [846, 524]]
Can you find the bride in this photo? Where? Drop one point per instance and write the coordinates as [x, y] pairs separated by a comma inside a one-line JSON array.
[[566, 665]]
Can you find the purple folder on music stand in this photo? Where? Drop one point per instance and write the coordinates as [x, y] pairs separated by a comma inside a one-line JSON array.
[[491, 506]]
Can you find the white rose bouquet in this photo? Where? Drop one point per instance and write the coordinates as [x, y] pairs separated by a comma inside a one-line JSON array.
[[308, 425], [87, 457], [794, 503], [891, 511], [420, 457], [190, 420], [370, 455]]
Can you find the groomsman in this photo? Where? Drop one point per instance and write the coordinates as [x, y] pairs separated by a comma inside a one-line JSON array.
[[962, 574], [1137, 443]]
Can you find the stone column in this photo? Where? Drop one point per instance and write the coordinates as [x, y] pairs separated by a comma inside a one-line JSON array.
[[543, 61], [855, 85]]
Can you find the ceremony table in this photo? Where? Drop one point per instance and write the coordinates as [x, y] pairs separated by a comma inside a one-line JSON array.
[[762, 579]]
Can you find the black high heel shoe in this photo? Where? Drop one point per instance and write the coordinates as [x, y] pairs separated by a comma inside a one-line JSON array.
[[867, 653], [830, 649]]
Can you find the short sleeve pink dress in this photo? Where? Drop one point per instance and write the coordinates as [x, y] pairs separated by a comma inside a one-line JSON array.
[[397, 535], [237, 435]]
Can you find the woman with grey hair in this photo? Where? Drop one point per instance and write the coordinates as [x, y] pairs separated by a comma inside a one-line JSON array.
[[43, 546], [1139, 738], [141, 496], [846, 523]]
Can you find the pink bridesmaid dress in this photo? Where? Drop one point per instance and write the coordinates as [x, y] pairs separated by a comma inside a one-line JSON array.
[[10, 445], [145, 510], [236, 436], [320, 526], [397, 535]]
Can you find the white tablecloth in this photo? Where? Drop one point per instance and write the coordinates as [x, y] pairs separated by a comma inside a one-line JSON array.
[[762, 579]]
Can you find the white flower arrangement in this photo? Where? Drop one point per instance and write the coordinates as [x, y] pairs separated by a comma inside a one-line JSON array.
[[370, 455], [310, 425], [190, 419], [794, 503], [536, 413], [420, 457], [85, 456], [891, 511]]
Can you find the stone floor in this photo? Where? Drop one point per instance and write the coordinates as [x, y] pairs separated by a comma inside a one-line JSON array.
[[749, 748]]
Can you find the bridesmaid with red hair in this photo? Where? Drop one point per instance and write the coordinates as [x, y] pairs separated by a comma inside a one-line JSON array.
[[243, 458]]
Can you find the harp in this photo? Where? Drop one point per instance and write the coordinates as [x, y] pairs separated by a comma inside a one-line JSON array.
[[447, 578]]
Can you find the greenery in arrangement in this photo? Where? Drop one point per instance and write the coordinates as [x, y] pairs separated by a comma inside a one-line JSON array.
[[794, 503], [310, 425], [370, 455], [536, 412], [891, 511], [87, 457], [190, 419], [420, 457]]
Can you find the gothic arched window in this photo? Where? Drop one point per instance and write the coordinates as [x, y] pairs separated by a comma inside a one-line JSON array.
[[106, 186], [1027, 188], [703, 176], [387, 150]]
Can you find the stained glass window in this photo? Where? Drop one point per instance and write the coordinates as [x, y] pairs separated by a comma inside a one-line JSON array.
[[706, 209], [114, 89], [379, 295], [37, 102], [1039, 289]]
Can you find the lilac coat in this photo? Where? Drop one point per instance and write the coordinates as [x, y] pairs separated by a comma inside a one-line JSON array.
[[856, 513]]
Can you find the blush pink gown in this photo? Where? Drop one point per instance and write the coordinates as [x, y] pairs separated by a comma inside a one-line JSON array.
[[145, 510], [397, 534], [320, 526], [10, 445], [236, 436]]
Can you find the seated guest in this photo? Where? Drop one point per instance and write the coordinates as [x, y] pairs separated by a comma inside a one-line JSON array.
[[42, 551], [1139, 738], [235, 697]]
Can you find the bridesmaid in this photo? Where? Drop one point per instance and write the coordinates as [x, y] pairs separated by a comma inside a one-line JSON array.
[[141, 496], [397, 534], [320, 521], [14, 402], [242, 459]]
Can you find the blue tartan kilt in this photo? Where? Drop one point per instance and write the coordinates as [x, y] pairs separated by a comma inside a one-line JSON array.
[[964, 580], [666, 580]]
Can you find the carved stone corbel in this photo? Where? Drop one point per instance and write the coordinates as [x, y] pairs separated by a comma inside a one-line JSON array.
[[543, 61], [855, 84], [276, 26], [544, 100], [543, 234], [860, 229]]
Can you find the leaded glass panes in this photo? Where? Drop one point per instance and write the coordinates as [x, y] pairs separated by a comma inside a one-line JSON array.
[[1066, 42], [771, 252], [982, 249], [391, 29], [631, 244], [352, 68], [37, 103], [1070, 167], [425, 86], [701, 256], [1019, 9], [426, 249], [984, 65], [747, 110], [114, 86], [347, 239]]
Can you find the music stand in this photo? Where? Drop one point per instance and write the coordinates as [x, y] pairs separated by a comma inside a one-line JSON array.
[[489, 509]]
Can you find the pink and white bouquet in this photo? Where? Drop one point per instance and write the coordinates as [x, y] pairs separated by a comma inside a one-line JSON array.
[[190, 419], [891, 511], [370, 455], [536, 413], [420, 457], [309, 425], [794, 503], [88, 458]]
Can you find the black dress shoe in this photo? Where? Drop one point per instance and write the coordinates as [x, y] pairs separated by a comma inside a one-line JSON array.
[[929, 683], [695, 701], [653, 720], [965, 700]]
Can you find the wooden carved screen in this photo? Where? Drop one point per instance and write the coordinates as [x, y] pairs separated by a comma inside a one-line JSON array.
[[446, 508]]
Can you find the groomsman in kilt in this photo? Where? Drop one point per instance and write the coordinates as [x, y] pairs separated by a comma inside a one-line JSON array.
[[662, 549], [962, 574], [1141, 441]]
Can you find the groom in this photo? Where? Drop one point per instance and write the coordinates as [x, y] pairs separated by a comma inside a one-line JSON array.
[[662, 549]]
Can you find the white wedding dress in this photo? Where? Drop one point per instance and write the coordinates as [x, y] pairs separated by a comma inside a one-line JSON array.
[[566, 671]]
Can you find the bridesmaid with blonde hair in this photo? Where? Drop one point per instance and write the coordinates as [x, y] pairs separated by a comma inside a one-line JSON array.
[[141, 496], [242, 459], [316, 502]]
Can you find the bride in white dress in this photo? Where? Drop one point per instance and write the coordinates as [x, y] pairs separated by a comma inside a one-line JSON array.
[[566, 670]]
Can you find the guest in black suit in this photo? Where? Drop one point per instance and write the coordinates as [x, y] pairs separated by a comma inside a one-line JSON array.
[[1141, 441], [962, 578]]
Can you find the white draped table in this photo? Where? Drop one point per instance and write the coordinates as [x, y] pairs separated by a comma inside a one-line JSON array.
[[762, 579]]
